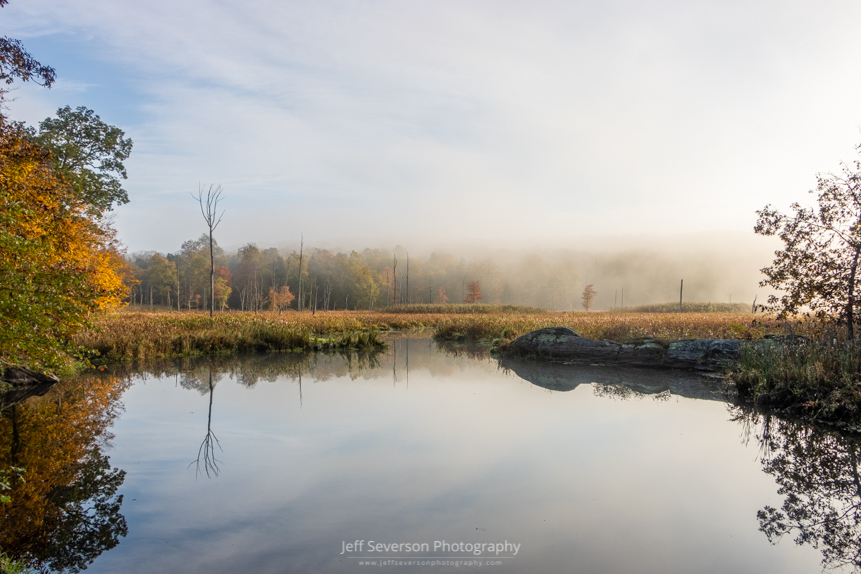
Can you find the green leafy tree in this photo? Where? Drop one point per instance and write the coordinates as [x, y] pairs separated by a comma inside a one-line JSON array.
[[366, 289], [248, 277], [818, 265], [90, 153], [161, 276]]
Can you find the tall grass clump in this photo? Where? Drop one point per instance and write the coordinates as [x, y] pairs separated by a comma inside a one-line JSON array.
[[816, 379], [9, 565]]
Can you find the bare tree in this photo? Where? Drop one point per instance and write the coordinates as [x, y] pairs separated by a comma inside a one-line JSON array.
[[209, 210], [395, 280]]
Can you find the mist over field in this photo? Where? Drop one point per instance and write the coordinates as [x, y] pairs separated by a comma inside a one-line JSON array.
[[536, 150], [457, 124], [623, 271]]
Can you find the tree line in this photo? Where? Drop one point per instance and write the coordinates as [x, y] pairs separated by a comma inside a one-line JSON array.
[[257, 279]]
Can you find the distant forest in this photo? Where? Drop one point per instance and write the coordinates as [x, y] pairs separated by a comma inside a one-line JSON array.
[[253, 279], [268, 279]]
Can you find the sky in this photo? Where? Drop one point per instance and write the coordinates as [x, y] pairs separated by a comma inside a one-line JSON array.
[[469, 123]]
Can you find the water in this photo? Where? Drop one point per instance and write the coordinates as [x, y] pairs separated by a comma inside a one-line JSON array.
[[277, 463]]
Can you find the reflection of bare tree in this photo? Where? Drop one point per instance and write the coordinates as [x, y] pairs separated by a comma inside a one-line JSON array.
[[817, 471], [206, 452]]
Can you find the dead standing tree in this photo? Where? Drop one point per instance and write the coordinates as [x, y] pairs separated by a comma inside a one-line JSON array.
[[300, 293], [209, 210]]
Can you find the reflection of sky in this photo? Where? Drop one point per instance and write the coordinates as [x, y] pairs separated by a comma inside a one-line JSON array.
[[584, 483]]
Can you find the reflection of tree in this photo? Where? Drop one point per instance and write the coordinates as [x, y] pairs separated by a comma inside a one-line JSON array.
[[248, 370], [210, 441], [624, 392], [471, 350], [68, 511], [93, 521], [817, 472]]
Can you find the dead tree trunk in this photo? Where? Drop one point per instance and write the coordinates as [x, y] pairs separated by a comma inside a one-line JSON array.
[[209, 210]]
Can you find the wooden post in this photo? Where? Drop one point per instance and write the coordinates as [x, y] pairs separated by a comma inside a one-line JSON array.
[[395, 279], [315, 291], [300, 303], [681, 287]]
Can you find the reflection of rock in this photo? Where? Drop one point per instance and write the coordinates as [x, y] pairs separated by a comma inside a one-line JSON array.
[[22, 376], [566, 377], [22, 383], [565, 343], [553, 376]]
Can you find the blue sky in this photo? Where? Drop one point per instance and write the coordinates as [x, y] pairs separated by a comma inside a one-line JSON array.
[[425, 123]]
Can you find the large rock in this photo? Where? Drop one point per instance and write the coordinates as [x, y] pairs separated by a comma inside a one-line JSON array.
[[22, 376], [20, 383], [565, 343]]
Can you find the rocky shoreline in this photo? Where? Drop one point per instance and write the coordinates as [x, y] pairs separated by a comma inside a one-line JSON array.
[[565, 343]]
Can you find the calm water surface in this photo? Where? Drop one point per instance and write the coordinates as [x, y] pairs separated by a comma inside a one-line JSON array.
[[277, 463]]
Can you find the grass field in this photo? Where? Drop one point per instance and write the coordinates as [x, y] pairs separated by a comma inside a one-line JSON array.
[[137, 335], [692, 307]]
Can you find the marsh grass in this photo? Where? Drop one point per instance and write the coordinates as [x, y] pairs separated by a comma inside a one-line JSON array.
[[619, 327], [692, 307], [140, 335], [463, 309], [136, 336]]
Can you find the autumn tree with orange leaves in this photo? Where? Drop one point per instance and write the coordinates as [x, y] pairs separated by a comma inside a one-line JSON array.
[[281, 299], [473, 292], [59, 259], [58, 264]]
